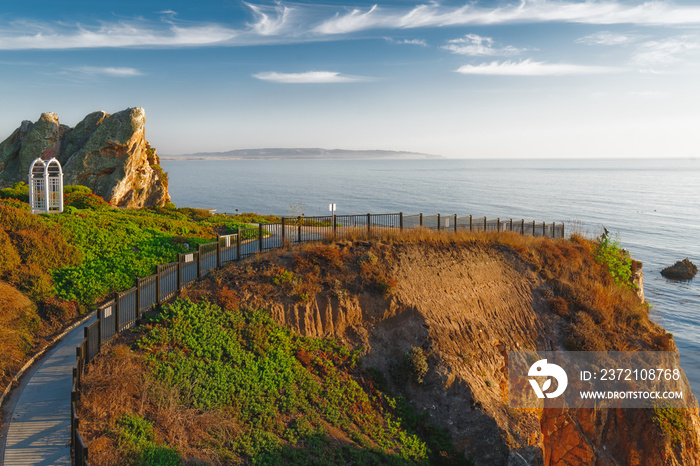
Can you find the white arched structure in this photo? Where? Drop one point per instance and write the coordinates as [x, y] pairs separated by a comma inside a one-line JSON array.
[[46, 186]]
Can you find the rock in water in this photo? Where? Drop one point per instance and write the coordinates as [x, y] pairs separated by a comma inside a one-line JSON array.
[[681, 270], [107, 153]]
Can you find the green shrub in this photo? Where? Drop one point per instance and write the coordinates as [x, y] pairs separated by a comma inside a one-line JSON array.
[[83, 200], [671, 421], [412, 367], [19, 191], [30, 247], [417, 363], [76, 188], [9, 256], [136, 439], [17, 204], [617, 260]]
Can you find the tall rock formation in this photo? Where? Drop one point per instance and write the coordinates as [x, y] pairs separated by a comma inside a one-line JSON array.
[[107, 153]]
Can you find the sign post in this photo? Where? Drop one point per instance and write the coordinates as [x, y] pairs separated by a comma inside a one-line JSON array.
[[331, 207]]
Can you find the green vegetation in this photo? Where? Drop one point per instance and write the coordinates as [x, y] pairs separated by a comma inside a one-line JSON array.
[[92, 250], [286, 393], [136, 436], [19, 191], [617, 260], [671, 421], [66, 263], [412, 367]]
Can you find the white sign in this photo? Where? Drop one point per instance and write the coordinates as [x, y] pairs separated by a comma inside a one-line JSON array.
[[331, 207], [189, 257], [108, 312]]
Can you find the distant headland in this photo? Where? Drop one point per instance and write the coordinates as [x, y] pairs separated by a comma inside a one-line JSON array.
[[300, 153]]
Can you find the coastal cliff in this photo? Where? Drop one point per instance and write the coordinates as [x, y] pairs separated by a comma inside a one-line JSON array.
[[466, 306], [107, 153], [463, 302]]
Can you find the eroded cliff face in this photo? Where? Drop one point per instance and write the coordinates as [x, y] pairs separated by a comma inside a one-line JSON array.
[[107, 153], [467, 306]]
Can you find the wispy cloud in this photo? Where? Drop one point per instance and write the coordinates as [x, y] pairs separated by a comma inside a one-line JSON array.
[[533, 68], [602, 12], [120, 72], [283, 22], [308, 77], [137, 33], [665, 52], [606, 38], [355, 20], [270, 20], [420, 42], [475, 45]]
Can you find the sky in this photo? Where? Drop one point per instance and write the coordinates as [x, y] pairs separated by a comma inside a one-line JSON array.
[[477, 79]]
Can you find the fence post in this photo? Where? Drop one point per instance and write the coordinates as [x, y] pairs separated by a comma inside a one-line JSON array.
[[498, 224], [259, 237], [138, 299], [116, 313], [333, 226], [158, 281], [485, 226], [533, 228], [455, 223], [563, 230], [511, 224], [299, 224], [238, 245], [218, 251], [438, 222], [420, 217], [369, 224], [179, 272], [544, 229], [401, 221], [282, 231], [99, 328], [471, 227], [199, 261], [522, 226]]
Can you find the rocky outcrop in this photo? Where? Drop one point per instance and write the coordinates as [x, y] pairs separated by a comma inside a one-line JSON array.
[[681, 270], [107, 153], [637, 280]]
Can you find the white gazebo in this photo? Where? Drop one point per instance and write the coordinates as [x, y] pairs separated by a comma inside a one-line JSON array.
[[46, 186]]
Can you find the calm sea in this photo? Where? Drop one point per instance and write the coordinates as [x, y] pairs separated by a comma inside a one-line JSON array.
[[653, 204]]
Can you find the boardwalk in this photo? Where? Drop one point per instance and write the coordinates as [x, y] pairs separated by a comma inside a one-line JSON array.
[[39, 421]]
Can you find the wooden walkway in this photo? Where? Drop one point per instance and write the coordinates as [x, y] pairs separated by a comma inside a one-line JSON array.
[[38, 431]]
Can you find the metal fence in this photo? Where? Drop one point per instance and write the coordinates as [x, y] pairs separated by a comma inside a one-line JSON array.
[[124, 309]]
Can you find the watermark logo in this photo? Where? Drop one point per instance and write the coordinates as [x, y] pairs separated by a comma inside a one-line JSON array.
[[543, 369]]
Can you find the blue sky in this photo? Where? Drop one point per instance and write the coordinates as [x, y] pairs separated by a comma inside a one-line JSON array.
[[480, 79]]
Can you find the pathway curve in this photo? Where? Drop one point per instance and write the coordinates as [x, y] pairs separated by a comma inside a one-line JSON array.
[[39, 412]]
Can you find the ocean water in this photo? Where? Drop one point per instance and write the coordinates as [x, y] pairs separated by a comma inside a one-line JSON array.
[[654, 205]]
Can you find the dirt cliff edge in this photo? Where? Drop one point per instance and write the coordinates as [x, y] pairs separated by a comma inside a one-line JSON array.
[[466, 304]]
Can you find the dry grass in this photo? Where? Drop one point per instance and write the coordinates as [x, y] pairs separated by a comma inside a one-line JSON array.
[[18, 323], [575, 282], [579, 284], [117, 384]]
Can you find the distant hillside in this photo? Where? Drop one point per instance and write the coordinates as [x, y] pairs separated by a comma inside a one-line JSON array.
[[303, 153]]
